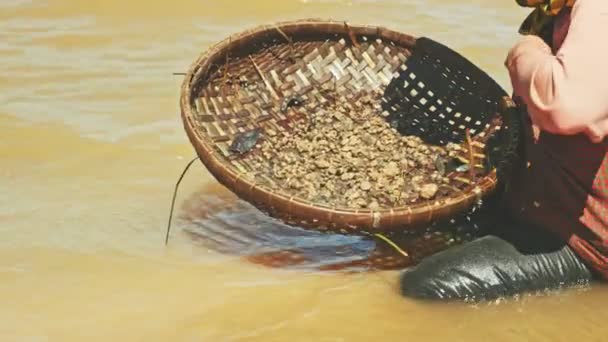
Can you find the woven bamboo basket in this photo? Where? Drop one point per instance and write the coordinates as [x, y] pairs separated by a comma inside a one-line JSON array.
[[241, 85]]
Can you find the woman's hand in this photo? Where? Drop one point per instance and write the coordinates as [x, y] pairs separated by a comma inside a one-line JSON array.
[[529, 46], [597, 131], [526, 44]]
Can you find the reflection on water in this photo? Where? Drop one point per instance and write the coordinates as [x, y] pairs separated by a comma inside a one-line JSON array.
[[223, 223], [91, 145], [233, 227]]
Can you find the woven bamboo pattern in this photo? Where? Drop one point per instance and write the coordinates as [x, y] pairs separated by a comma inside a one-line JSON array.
[[247, 83]]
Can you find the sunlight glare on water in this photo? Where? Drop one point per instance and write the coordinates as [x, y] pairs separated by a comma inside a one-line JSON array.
[[92, 145]]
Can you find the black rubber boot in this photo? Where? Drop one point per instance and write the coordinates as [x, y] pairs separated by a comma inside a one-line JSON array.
[[508, 262], [490, 268]]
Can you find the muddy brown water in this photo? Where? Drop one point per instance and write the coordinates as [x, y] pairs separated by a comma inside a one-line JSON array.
[[91, 147]]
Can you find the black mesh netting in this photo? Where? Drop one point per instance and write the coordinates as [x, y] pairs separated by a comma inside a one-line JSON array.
[[439, 94]]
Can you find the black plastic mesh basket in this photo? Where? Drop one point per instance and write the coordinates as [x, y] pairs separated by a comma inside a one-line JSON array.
[[439, 94]]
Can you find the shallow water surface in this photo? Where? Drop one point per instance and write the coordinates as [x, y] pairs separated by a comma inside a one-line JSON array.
[[92, 145]]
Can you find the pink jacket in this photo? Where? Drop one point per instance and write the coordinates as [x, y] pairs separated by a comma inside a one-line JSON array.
[[566, 91]]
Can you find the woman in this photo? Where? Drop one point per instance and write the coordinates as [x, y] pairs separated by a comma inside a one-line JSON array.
[[554, 232]]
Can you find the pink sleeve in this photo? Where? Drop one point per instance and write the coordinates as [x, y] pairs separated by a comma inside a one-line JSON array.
[[566, 92]]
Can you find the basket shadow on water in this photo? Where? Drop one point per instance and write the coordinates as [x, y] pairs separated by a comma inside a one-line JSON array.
[[254, 82], [223, 223]]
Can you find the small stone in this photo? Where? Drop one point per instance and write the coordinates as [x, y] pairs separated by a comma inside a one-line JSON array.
[[417, 179], [347, 176], [322, 164], [352, 194], [412, 143], [383, 182], [295, 184], [365, 186], [357, 162], [391, 169], [368, 139], [428, 191], [303, 146], [361, 203], [440, 164], [373, 175], [325, 194], [313, 177], [373, 205]]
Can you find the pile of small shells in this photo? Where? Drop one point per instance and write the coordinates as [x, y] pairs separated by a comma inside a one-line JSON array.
[[348, 155]]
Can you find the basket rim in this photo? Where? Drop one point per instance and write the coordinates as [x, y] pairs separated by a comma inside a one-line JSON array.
[[278, 204]]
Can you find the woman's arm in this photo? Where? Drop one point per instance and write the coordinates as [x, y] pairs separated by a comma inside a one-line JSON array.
[[566, 92]]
